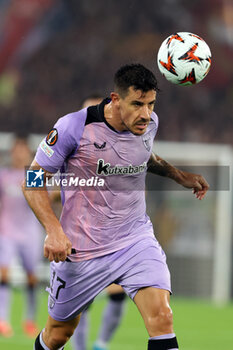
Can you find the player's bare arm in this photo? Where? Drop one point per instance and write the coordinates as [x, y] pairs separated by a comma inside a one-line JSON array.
[[56, 246], [159, 166]]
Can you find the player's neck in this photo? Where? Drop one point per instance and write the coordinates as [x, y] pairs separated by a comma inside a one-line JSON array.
[[113, 118]]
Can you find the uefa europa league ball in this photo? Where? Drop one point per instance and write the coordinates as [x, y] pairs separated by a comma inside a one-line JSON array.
[[184, 58]]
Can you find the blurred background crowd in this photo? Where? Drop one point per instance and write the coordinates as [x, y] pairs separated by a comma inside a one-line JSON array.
[[54, 53]]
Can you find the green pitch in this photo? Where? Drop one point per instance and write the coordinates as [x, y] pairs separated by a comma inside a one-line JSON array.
[[199, 325]]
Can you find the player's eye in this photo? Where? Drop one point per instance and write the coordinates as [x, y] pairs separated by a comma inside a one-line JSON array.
[[137, 104]]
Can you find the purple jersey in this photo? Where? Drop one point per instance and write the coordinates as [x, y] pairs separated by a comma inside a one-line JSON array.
[[104, 220], [17, 221]]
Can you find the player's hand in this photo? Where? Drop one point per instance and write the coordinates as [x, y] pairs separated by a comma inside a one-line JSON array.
[[57, 246], [196, 182]]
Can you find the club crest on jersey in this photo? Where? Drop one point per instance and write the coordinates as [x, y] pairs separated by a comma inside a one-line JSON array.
[[52, 137], [147, 142]]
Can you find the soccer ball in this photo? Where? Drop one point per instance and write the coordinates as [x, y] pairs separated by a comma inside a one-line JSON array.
[[184, 58]]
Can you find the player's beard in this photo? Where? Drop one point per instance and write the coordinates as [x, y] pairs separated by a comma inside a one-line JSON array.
[[140, 131], [133, 126]]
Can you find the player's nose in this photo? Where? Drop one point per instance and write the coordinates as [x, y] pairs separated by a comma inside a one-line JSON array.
[[145, 113]]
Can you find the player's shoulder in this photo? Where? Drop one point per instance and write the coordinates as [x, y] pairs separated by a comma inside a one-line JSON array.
[[66, 131], [154, 118], [84, 116], [154, 122], [73, 119]]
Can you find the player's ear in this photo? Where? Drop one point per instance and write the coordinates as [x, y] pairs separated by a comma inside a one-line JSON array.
[[115, 97]]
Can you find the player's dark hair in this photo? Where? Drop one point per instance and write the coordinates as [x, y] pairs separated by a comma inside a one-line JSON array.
[[135, 75]]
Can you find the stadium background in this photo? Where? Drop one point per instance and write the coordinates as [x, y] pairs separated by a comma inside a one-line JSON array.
[[54, 53]]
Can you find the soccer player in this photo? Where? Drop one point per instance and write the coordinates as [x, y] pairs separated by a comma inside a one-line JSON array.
[[20, 235], [104, 234], [114, 309]]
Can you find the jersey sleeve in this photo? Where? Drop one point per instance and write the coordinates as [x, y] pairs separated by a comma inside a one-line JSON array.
[[61, 141]]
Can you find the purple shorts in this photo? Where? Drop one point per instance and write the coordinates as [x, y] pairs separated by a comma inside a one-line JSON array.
[[74, 285]]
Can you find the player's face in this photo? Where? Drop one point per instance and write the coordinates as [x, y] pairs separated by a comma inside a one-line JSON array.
[[135, 110]]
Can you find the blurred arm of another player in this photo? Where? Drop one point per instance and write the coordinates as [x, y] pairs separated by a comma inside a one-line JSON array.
[[159, 166], [57, 245]]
